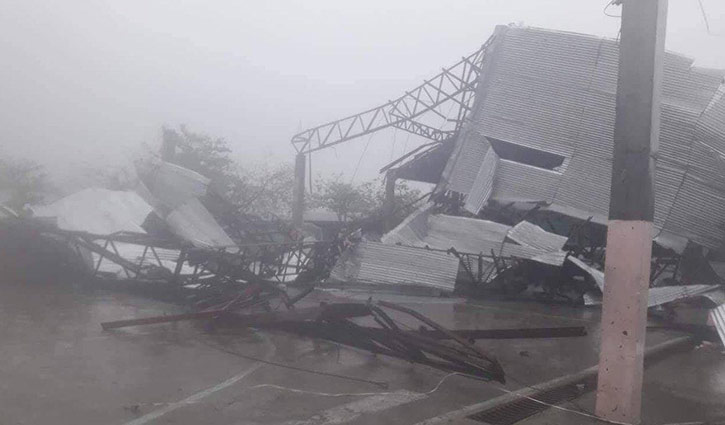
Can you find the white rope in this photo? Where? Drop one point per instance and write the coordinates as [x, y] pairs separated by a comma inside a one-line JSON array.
[[299, 391]]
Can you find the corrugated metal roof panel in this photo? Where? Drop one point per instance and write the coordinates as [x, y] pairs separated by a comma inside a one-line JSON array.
[[192, 222], [717, 315], [658, 295], [472, 236], [665, 294], [483, 184], [556, 92], [552, 258], [529, 234], [596, 275], [516, 182], [719, 268], [374, 263], [173, 185], [717, 297], [99, 211]]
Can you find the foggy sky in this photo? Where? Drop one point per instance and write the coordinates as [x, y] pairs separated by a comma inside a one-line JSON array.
[[86, 82]]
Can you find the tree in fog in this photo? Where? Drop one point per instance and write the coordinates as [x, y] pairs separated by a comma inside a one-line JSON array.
[[348, 201], [351, 201], [263, 190], [22, 182]]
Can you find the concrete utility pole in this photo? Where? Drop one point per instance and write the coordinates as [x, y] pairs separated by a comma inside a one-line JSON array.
[[298, 191], [631, 210]]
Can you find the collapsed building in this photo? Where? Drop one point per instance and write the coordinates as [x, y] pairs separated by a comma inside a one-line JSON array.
[[522, 178], [521, 168], [521, 173]]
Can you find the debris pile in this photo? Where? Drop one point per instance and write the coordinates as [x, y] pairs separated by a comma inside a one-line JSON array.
[[522, 177], [519, 208]]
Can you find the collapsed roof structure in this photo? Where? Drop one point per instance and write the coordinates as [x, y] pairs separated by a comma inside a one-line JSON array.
[[525, 165], [541, 132]]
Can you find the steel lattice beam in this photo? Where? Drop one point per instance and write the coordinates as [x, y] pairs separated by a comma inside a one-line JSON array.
[[453, 86], [424, 130]]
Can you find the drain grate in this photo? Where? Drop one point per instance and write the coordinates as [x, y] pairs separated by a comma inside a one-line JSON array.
[[520, 409]]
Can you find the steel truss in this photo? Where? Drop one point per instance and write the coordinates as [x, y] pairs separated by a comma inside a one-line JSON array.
[[206, 268], [454, 86]]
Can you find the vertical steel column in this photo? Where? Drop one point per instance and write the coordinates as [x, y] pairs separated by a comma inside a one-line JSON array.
[[298, 193], [631, 210], [389, 203]]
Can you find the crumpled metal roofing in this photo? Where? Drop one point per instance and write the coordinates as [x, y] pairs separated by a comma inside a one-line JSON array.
[[556, 92], [529, 234], [474, 236], [717, 315], [174, 193], [98, 211], [173, 185], [716, 297], [596, 275], [665, 294], [483, 183], [719, 268], [194, 223], [378, 264], [656, 296]]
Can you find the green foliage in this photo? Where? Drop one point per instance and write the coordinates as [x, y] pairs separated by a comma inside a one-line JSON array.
[[354, 202], [22, 182], [348, 201], [261, 190], [406, 200]]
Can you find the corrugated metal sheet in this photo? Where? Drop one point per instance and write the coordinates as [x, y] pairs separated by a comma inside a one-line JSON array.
[[717, 297], [556, 92], [719, 268], [192, 222], [173, 185], [378, 264], [98, 211], [483, 184], [516, 182], [412, 230], [592, 298], [717, 315], [596, 275], [553, 258], [657, 296], [665, 294], [474, 236], [529, 234]]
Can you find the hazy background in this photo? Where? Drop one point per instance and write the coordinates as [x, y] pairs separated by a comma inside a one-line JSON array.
[[85, 82]]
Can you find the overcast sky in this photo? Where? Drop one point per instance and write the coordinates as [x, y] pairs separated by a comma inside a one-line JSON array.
[[89, 81]]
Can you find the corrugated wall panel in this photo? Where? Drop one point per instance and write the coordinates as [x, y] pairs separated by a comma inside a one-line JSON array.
[[556, 91]]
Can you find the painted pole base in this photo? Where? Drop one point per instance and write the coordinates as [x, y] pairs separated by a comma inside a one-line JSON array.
[[624, 320]]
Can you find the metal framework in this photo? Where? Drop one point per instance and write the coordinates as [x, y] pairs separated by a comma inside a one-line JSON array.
[[424, 130], [210, 272], [454, 86]]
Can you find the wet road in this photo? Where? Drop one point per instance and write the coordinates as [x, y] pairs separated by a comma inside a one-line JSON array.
[[59, 367]]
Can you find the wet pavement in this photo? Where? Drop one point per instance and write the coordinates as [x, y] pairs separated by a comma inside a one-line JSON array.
[[59, 367]]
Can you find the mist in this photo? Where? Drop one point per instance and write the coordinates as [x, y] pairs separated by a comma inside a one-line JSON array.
[[88, 83]]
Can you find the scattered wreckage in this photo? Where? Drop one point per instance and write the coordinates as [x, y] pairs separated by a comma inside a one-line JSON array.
[[522, 170], [519, 209]]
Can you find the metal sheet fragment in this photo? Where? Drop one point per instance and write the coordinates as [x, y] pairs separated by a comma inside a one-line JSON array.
[[483, 184], [665, 294], [717, 315], [597, 275], [529, 234], [377, 264]]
